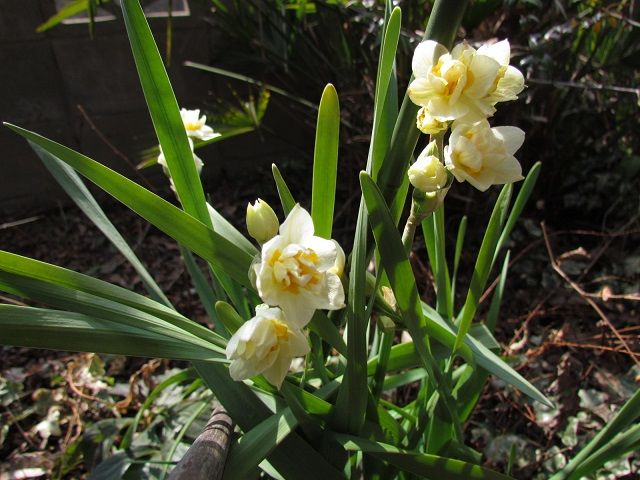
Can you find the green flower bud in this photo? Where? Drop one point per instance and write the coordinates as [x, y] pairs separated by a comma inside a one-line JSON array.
[[262, 222]]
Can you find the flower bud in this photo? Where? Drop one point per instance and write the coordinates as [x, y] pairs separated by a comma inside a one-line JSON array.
[[262, 222], [428, 174], [428, 124]]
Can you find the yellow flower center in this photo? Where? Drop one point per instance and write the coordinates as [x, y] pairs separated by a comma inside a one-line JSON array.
[[296, 271], [190, 126]]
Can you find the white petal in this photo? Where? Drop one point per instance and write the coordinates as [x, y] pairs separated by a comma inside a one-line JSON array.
[[484, 71], [510, 171], [509, 86], [512, 137], [297, 227], [421, 90], [426, 56], [276, 373], [500, 51], [326, 251], [297, 309]]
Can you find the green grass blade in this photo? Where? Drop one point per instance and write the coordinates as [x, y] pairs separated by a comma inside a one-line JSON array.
[[170, 129], [519, 204], [490, 361], [624, 443], [71, 183], [207, 296], [179, 377], [283, 191], [249, 412], [28, 268], [462, 231], [222, 226], [352, 397], [325, 163], [69, 10], [402, 281], [385, 107], [423, 465], [626, 416], [164, 111], [484, 262], [211, 246], [468, 396], [97, 307], [62, 330], [321, 325], [496, 300], [397, 266]]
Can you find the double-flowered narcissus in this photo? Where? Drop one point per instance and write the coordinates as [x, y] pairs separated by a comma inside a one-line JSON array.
[[482, 155], [300, 272], [464, 84], [265, 345], [196, 126]]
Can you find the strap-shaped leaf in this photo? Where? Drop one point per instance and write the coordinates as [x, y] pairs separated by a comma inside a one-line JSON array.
[[249, 412], [164, 111], [27, 268], [423, 465], [325, 163], [62, 330], [484, 262], [210, 245], [97, 307], [69, 180], [283, 191]]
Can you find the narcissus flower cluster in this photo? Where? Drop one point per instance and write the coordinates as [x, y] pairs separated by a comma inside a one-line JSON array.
[[460, 90], [295, 274]]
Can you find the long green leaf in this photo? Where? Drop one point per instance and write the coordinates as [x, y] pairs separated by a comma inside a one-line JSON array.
[[384, 82], [624, 443], [27, 268], [518, 205], [426, 466], [88, 304], [489, 360], [283, 191], [484, 262], [62, 330], [403, 283], [325, 163], [249, 412], [628, 414], [69, 180], [190, 232], [164, 110], [69, 10]]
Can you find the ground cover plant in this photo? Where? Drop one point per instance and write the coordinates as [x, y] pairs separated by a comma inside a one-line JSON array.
[[333, 410]]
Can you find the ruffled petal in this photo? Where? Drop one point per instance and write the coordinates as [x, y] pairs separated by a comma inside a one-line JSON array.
[[426, 56], [297, 226]]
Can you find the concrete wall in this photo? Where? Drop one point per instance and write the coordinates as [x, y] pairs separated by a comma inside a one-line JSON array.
[[44, 77]]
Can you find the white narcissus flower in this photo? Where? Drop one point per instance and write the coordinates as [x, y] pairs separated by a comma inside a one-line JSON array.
[[482, 155], [427, 173], [195, 125], [464, 84], [265, 345], [300, 272]]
